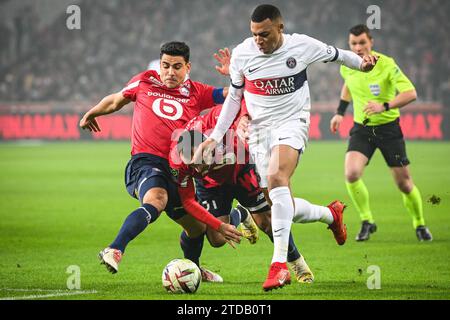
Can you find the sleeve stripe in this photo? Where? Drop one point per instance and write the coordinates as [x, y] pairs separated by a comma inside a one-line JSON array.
[[336, 55], [237, 87], [131, 85]]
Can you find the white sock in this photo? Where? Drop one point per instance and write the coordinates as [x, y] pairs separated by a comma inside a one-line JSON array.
[[306, 212], [282, 214]]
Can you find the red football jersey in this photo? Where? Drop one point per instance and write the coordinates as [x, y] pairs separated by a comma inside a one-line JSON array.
[[159, 111], [216, 175], [232, 149]]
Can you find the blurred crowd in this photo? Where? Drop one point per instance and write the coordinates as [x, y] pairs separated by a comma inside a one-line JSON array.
[[118, 38]]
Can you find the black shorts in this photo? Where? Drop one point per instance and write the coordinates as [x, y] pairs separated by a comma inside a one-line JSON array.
[[219, 200], [145, 171], [386, 137]]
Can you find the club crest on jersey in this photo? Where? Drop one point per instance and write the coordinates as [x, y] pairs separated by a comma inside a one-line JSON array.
[[184, 91], [375, 89], [291, 63]]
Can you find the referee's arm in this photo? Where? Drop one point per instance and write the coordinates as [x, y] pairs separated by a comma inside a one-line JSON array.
[[403, 98], [346, 97]]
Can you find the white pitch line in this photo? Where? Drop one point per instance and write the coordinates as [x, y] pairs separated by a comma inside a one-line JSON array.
[[52, 295], [32, 290]]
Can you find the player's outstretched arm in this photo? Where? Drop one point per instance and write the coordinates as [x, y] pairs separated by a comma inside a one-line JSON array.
[[353, 61], [109, 104]]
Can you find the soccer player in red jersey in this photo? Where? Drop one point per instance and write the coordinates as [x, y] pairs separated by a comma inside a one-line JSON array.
[[163, 103]]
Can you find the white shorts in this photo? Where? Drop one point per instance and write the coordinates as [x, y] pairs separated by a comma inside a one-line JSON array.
[[293, 133]]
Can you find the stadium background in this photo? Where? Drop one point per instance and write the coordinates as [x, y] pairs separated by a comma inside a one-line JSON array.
[[49, 74], [62, 201]]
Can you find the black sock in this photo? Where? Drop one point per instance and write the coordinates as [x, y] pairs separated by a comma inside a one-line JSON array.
[[134, 224], [192, 247], [237, 215], [293, 253]]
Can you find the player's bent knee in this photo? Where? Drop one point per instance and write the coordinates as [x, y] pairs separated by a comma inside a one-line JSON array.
[[157, 197], [192, 227], [352, 175], [276, 181], [215, 239], [216, 243], [405, 186]]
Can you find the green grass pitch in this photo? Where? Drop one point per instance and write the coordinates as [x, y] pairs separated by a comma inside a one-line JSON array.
[[61, 203]]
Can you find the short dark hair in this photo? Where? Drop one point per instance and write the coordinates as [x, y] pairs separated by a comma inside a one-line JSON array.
[[265, 11], [360, 29], [189, 140], [175, 48]]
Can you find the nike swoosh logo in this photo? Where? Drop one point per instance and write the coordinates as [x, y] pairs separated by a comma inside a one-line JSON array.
[[253, 70], [283, 278], [283, 138], [278, 230]]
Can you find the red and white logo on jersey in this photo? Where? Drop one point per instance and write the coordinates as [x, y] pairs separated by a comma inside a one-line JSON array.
[[276, 86], [184, 91], [155, 81], [166, 108]]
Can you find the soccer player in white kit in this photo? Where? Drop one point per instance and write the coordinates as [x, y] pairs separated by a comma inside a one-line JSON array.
[[269, 70]]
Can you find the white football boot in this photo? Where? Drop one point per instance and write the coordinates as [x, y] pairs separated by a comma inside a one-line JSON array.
[[110, 258], [249, 229], [209, 276], [301, 269]]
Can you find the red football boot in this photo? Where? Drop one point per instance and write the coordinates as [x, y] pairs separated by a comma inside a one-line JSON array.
[[338, 227], [278, 276]]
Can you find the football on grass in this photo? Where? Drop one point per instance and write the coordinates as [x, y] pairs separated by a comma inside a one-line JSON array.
[[181, 276]]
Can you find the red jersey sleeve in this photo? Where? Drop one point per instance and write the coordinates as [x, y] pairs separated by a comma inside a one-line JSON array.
[[132, 87], [187, 195], [206, 99]]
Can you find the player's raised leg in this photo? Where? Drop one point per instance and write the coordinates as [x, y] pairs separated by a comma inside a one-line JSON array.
[[332, 215]]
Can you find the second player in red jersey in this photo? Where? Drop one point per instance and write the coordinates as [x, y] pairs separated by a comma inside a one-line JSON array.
[[230, 177]]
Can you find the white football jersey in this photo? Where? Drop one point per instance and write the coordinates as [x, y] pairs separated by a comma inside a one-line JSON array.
[[275, 85]]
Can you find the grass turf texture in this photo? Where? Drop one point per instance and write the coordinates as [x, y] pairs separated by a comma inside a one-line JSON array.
[[62, 202]]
